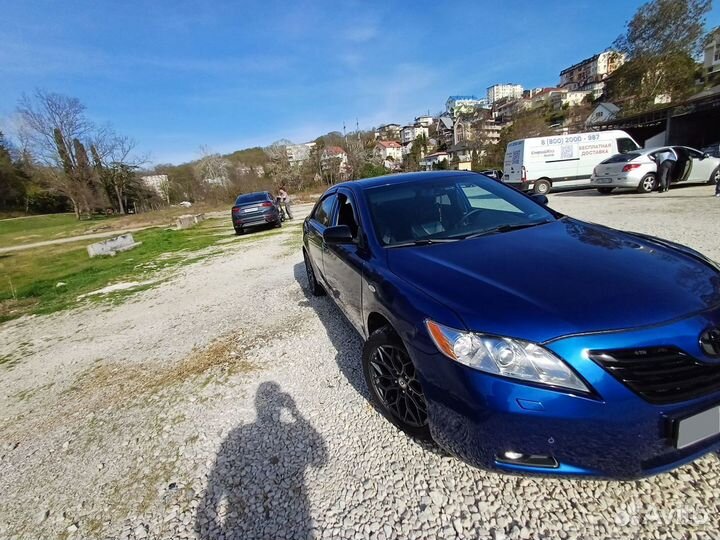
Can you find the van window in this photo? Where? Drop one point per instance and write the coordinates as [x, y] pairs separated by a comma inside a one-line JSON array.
[[621, 158], [626, 145]]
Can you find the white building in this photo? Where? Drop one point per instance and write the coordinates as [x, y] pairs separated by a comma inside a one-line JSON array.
[[711, 63], [410, 133], [298, 153], [425, 120], [571, 98], [388, 132], [457, 105], [604, 112], [498, 91], [428, 162], [591, 73], [334, 161], [390, 152]]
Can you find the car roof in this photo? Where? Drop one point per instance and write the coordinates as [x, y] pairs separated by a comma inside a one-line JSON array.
[[403, 178]]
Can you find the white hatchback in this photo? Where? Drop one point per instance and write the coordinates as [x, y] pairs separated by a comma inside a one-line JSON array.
[[638, 170]]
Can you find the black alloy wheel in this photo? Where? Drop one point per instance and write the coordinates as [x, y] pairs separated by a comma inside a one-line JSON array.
[[392, 380]]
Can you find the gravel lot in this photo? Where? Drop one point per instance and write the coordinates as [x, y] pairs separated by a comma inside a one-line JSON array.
[[226, 403]]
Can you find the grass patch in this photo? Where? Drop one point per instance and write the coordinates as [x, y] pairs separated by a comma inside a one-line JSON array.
[[31, 229], [30, 278]]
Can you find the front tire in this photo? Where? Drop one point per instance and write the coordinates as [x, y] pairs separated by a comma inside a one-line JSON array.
[[647, 184], [542, 187], [313, 286], [239, 232], [392, 380], [606, 190]]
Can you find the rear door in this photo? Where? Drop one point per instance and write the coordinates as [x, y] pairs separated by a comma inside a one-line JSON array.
[[319, 220], [344, 262]]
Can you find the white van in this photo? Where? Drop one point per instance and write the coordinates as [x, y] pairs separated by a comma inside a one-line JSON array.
[[540, 163]]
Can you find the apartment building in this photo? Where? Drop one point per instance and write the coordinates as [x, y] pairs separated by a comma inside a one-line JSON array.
[[507, 90]]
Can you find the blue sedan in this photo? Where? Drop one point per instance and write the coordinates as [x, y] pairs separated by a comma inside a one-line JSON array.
[[517, 338]]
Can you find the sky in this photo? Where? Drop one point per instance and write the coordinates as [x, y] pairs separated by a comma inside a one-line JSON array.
[[178, 75]]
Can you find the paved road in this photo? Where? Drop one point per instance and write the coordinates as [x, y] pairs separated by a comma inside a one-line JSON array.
[[227, 403]]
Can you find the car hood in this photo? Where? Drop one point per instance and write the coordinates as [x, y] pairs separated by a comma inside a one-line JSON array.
[[560, 278]]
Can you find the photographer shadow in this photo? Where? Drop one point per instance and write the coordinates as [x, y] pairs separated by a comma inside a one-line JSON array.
[[256, 488]]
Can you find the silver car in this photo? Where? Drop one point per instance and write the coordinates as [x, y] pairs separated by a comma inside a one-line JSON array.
[[638, 170]]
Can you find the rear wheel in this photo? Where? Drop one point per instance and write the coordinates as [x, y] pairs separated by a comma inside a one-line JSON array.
[[393, 383], [647, 184], [715, 176], [315, 288], [542, 187], [605, 190], [239, 231]]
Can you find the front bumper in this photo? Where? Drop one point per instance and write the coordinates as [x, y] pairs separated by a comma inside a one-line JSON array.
[[612, 434]]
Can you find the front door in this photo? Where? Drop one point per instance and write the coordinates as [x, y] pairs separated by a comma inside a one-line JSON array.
[[344, 263], [314, 227]]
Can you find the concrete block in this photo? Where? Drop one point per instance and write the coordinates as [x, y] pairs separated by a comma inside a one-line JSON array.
[[185, 222], [112, 246], [189, 220]]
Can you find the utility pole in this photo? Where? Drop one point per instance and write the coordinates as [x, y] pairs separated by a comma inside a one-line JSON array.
[[357, 128]]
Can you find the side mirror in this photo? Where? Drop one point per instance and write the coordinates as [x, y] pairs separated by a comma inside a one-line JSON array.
[[339, 234], [705, 155], [539, 198]]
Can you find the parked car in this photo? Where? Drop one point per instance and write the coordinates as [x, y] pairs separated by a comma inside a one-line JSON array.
[[638, 170], [540, 163], [255, 209], [518, 338]]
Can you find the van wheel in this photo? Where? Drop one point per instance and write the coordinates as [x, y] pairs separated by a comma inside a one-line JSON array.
[[647, 184], [542, 187], [605, 190]]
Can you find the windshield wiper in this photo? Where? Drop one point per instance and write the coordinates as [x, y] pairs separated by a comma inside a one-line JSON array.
[[503, 229], [424, 242]]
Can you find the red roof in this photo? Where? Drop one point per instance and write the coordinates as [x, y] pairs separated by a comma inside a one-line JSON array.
[[390, 144], [334, 150]]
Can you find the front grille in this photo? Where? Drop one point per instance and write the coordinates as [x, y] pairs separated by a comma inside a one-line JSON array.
[[660, 374]]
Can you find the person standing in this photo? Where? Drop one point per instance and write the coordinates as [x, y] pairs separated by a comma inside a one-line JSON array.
[[666, 160], [285, 201]]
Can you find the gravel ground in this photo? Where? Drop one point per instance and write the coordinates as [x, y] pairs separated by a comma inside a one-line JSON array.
[[226, 403]]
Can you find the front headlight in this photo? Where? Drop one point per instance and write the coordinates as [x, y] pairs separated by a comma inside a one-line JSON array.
[[503, 356]]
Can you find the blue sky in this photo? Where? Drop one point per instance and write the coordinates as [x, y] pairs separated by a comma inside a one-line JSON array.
[[181, 74]]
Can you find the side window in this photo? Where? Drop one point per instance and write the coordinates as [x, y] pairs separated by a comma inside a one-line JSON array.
[[346, 214], [323, 213], [626, 145], [694, 153]]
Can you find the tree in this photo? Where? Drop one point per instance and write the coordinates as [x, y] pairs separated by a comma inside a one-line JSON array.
[[56, 131], [660, 44], [13, 179], [665, 27]]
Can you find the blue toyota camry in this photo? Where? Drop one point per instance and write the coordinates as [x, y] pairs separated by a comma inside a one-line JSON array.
[[518, 338]]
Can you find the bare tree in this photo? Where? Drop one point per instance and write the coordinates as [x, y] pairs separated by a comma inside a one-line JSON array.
[[212, 167], [45, 112]]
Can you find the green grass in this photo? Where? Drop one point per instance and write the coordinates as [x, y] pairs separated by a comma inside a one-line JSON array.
[[32, 229], [29, 278]]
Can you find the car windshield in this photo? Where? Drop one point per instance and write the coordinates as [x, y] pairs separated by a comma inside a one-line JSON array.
[[251, 198], [449, 209]]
